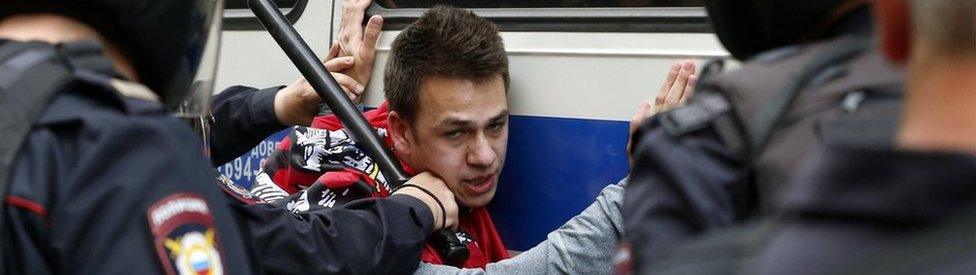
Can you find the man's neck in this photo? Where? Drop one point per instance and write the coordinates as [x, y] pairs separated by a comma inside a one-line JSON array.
[[940, 110], [55, 29]]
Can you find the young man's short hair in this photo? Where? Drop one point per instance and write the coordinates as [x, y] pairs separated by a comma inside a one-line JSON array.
[[446, 42]]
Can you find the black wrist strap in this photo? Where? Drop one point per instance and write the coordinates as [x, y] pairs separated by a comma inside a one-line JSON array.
[[439, 204]]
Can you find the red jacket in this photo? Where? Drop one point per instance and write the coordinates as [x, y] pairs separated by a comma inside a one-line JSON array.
[[324, 154]]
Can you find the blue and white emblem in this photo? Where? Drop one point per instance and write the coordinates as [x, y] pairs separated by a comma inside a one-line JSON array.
[[184, 235]]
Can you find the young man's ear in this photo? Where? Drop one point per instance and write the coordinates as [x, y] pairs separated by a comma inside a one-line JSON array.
[[893, 23], [398, 131]]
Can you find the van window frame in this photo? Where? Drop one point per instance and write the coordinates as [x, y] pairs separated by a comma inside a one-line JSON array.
[[244, 19], [638, 19]]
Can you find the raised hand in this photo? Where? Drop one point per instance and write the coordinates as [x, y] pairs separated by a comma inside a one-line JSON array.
[[676, 89], [297, 104], [357, 41]]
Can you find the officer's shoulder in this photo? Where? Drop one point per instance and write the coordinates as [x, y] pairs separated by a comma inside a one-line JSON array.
[[779, 62], [99, 117], [85, 134], [737, 92]]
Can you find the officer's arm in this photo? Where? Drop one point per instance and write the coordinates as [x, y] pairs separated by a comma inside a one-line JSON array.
[[367, 236], [243, 117]]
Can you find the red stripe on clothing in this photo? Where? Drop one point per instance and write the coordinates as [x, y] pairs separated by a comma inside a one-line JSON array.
[[29, 205]]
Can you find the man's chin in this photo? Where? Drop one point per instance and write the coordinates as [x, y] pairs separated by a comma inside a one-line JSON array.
[[477, 201]]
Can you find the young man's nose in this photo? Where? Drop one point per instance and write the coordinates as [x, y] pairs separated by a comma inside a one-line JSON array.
[[480, 153]]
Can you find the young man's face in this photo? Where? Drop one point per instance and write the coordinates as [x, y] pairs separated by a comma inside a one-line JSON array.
[[460, 133]]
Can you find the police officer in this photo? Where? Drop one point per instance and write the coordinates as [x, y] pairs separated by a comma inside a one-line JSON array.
[[869, 210], [98, 177], [809, 77]]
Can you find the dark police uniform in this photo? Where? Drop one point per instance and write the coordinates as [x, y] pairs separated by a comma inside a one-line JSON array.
[[854, 211], [698, 168], [243, 117], [106, 184]]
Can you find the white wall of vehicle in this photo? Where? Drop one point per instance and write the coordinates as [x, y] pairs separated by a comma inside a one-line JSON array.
[[253, 58], [563, 74], [582, 75]]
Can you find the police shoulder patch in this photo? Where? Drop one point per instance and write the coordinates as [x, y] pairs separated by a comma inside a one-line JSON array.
[[184, 235]]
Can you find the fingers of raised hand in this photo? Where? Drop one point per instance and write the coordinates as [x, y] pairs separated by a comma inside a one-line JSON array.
[[357, 4], [350, 86], [689, 89], [351, 29], [680, 83], [333, 51], [669, 79], [339, 64], [370, 37]]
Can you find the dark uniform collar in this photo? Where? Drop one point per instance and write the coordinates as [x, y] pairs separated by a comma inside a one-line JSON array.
[[82, 56], [93, 68], [882, 185]]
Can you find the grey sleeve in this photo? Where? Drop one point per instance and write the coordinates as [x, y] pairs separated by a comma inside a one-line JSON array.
[[436, 269], [583, 245]]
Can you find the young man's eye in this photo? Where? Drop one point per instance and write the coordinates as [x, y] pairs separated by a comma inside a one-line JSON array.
[[453, 134], [496, 126]]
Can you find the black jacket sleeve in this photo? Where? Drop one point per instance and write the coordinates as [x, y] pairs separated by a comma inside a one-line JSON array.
[[680, 187], [243, 117], [367, 236]]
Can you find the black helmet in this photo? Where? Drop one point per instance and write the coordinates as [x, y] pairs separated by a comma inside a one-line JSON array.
[[748, 27], [164, 38]]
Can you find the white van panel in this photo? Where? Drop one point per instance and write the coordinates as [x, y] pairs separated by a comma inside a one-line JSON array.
[[252, 58], [582, 75]]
